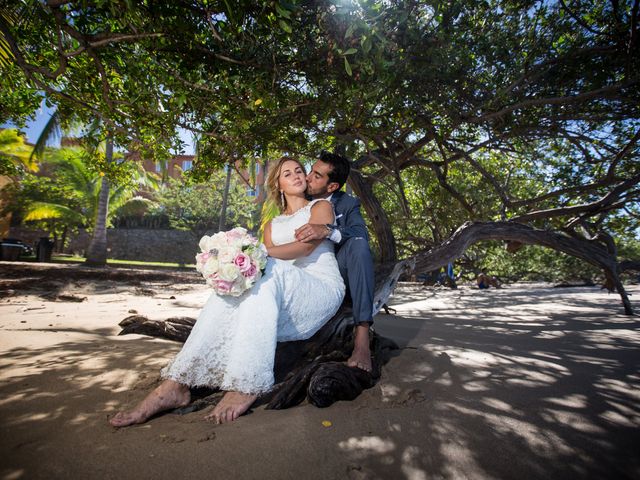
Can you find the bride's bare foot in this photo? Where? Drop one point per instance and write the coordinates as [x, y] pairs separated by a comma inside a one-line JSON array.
[[361, 355], [232, 405], [168, 395]]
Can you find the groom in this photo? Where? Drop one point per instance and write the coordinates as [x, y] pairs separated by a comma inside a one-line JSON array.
[[325, 180]]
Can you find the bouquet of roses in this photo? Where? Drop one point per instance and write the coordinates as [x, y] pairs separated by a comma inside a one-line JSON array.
[[231, 262]]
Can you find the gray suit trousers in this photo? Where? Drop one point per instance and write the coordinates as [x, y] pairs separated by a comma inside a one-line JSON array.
[[356, 267]]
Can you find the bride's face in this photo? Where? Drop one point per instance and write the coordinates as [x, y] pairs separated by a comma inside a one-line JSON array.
[[292, 179]]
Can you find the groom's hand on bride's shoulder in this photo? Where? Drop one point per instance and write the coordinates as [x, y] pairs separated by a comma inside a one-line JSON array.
[[312, 231]]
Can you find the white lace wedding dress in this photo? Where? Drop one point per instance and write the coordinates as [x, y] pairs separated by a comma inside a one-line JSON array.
[[232, 345]]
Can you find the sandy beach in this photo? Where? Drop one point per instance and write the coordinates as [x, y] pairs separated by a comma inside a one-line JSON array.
[[527, 382]]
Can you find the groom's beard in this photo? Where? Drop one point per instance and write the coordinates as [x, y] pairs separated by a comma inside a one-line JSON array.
[[320, 194]]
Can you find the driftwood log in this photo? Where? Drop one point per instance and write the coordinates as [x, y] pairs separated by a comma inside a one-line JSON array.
[[311, 369]]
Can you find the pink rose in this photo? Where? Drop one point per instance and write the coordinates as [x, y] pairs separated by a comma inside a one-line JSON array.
[[242, 261], [235, 234], [222, 286], [251, 271]]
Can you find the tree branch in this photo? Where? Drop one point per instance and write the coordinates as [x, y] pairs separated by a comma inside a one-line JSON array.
[[106, 40], [581, 97], [623, 153], [593, 207], [470, 233]]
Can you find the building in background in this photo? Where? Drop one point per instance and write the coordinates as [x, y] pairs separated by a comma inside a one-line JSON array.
[[254, 184]]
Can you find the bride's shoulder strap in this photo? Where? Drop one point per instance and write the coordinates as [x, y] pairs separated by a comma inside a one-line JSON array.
[[313, 202]]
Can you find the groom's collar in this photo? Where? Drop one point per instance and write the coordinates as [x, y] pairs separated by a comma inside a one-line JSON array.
[[332, 198]]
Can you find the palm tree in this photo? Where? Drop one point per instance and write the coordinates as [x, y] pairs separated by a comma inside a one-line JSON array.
[[97, 251], [93, 200]]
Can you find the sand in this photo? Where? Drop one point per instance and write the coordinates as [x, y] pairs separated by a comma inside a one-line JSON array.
[[528, 382]]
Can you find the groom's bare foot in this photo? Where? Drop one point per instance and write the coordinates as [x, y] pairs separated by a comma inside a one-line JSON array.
[[232, 405], [167, 396], [361, 355]]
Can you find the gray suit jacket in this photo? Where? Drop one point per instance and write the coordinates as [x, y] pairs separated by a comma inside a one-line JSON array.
[[348, 217]]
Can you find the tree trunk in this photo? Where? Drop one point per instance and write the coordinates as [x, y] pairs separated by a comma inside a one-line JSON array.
[[63, 240], [225, 198], [379, 220], [97, 251]]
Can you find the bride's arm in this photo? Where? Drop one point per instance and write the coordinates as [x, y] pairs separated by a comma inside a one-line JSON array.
[[321, 212]]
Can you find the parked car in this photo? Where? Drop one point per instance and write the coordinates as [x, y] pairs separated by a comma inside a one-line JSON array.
[[26, 249]]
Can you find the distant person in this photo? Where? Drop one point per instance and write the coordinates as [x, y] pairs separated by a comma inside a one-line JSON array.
[[485, 281], [446, 277]]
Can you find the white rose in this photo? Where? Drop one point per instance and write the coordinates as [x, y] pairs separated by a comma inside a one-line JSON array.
[[218, 240], [226, 254], [210, 267], [238, 287], [236, 237], [228, 272], [204, 243]]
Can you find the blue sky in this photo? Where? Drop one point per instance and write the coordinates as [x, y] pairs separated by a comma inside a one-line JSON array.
[[35, 126]]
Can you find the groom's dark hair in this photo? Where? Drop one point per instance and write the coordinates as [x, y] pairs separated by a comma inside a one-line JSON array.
[[340, 167]]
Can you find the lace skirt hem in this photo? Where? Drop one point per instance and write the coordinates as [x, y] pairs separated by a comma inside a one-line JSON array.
[[194, 381]]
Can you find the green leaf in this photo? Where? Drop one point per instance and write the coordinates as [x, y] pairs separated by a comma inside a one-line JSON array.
[[282, 12], [347, 67], [351, 51], [365, 43], [349, 32], [285, 26]]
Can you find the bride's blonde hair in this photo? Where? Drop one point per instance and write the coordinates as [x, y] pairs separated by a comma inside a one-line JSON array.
[[274, 196]]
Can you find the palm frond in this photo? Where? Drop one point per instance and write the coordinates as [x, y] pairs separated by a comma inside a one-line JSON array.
[[70, 162], [118, 196], [8, 17], [5, 53], [51, 131], [49, 211], [14, 14], [13, 149]]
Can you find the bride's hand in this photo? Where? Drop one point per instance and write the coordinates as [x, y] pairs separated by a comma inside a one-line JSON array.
[[312, 231]]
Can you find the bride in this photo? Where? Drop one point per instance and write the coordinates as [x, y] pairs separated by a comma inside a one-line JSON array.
[[232, 345]]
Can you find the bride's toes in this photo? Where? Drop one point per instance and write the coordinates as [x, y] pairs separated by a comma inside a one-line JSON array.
[[212, 417], [123, 419], [232, 405]]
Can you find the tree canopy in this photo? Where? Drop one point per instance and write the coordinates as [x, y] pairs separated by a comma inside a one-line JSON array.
[[516, 111]]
